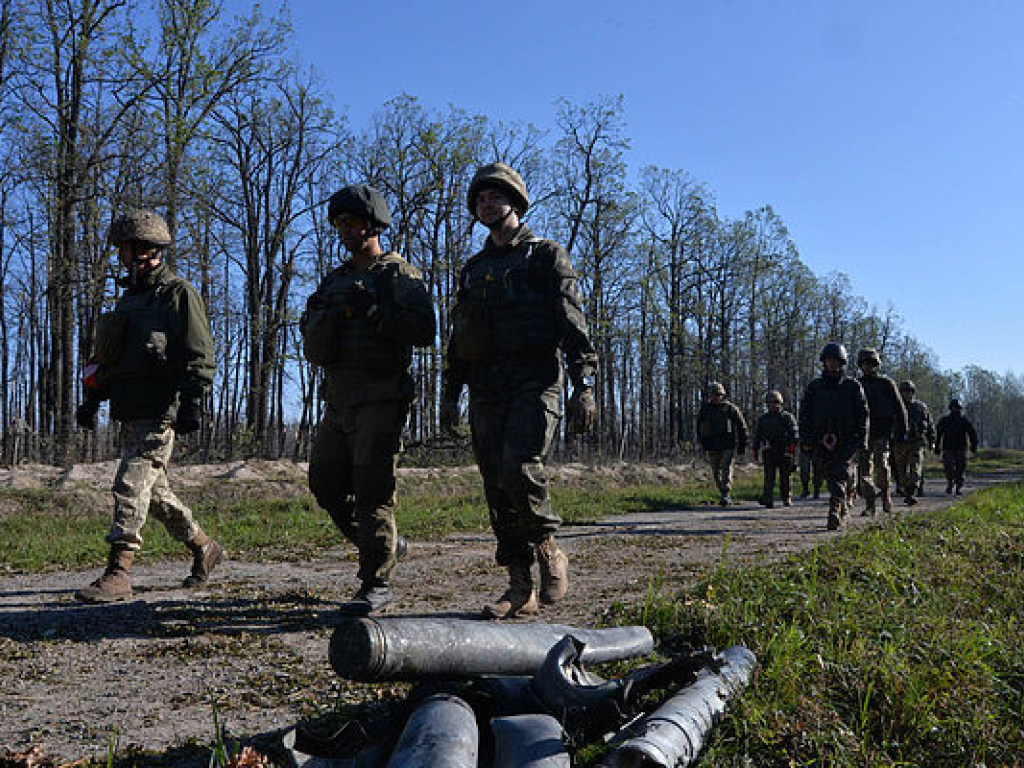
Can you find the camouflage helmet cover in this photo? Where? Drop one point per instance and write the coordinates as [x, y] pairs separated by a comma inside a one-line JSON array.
[[139, 226], [504, 178], [360, 200], [908, 386], [716, 388], [773, 396], [833, 350], [868, 355]]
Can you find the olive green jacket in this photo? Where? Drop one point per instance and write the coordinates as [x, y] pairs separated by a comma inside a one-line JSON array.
[[162, 348]]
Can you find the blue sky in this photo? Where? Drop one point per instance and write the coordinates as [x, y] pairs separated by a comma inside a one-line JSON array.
[[889, 136]]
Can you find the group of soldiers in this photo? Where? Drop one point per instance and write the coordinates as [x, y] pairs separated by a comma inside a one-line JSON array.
[[517, 330], [855, 433]]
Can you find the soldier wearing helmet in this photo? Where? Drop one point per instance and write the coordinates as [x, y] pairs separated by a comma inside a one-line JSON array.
[[153, 359], [887, 424], [908, 454], [516, 325], [722, 433], [833, 426], [360, 327], [775, 441], [953, 434]]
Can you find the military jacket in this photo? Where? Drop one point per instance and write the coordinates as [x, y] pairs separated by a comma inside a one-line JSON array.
[[721, 426], [888, 414], [366, 353], [775, 432], [954, 432], [920, 427], [834, 408], [154, 345], [518, 313]]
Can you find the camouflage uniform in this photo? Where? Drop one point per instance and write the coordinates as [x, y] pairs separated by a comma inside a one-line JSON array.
[[953, 433], [157, 351], [833, 426], [368, 389], [810, 475], [908, 454], [888, 419], [722, 433], [775, 439], [518, 312]]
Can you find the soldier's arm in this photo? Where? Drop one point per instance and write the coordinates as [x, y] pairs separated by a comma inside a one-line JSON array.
[[573, 339], [972, 435], [741, 428], [198, 360], [862, 415], [407, 309], [902, 422]]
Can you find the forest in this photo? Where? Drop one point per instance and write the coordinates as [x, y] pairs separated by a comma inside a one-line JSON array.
[[213, 120]]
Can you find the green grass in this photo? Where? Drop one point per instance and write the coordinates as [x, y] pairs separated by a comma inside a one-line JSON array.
[[899, 646], [46, 529]]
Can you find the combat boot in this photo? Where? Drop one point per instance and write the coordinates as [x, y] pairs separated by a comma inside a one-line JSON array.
[[519, 599], [113, 585], [949, 486], [554, 571], [835, 515], [869, 507], [372, 597], [886, 502], [206, 554]]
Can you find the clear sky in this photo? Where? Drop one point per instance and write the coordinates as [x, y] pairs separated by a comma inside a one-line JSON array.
[[887, 134]]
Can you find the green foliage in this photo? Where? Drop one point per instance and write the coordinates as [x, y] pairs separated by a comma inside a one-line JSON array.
[[901, 645]]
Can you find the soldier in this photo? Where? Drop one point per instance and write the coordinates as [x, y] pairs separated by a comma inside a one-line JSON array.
[[775, 439], [155, 362], [908, 454], [952, 434], [833, 426], [518, 312], [722, 433], [888, 420], [360, 327]]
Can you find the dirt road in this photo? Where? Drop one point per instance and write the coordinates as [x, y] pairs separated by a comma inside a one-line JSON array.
[[149, 672]]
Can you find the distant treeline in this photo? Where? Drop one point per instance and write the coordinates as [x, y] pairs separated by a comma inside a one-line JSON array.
[[209, 120]]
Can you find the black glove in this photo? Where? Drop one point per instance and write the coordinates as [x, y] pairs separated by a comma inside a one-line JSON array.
[[449, 416], [581, 411], [190, 414], [85, 415]]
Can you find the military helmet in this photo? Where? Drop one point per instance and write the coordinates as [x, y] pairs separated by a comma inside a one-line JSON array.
[[360, 200], [955, 403], [907, 386], [504, 178], [716, 388], [141, 227], [833, 350], [773, 396], [868, 355]]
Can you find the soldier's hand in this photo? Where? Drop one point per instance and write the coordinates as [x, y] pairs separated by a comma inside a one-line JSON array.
[[85, 414], [449, 416], [190, 414], [581, 411]]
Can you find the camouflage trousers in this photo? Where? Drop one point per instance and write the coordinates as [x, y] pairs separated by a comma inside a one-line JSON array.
[[908, 465], [512, 438], [781, 464], [140, 485], [836, 467], [873, 469], [954, 464], [352, 469], [810, 474], [721, 469]]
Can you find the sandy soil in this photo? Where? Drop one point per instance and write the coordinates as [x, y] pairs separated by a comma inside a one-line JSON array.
[[254, 643]]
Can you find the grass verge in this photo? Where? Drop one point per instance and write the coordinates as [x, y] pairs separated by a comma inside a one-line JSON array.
[[899, 646]]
